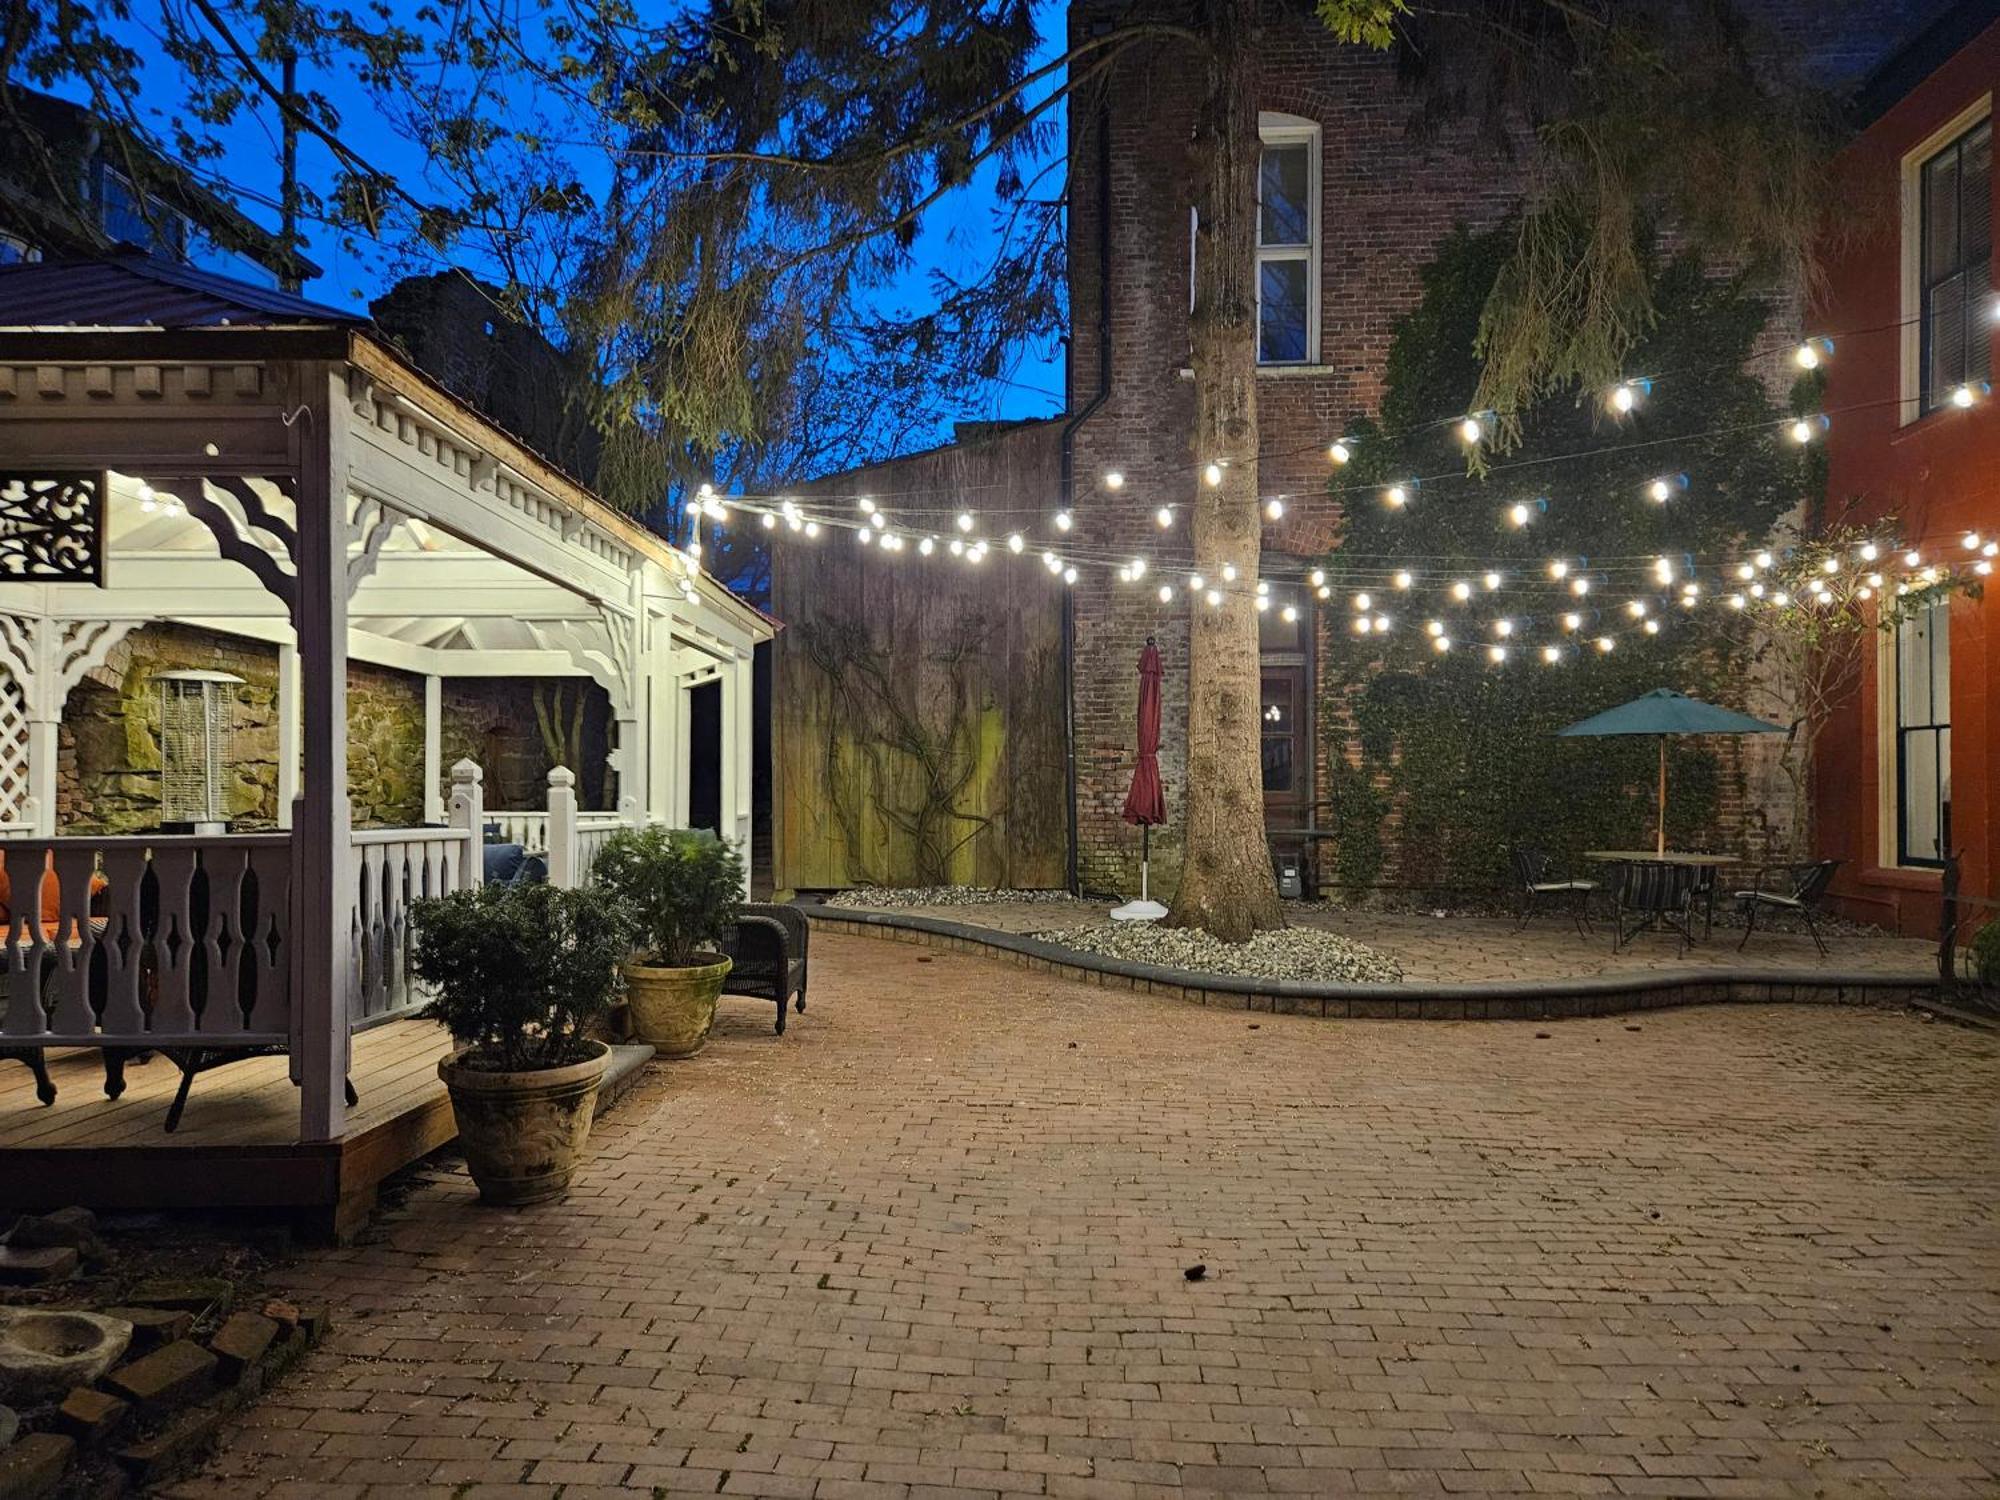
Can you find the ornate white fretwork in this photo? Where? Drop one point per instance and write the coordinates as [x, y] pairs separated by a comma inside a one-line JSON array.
[[371, 525], [276, 570], [609, 654], [43, 659]]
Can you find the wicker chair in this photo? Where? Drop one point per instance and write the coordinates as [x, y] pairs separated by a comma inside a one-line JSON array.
[[1805, 889], [768, 955]]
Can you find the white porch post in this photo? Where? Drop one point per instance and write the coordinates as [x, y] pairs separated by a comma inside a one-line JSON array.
[[664, 717], [562, 827], [634, 757], [468, 810], [734, 814], [322, 836], [40, 809], [433, 749], [683, 717], [288, 733]]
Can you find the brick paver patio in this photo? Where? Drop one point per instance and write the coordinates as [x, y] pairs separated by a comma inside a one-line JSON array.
[[1469, 950], [932, 1244]]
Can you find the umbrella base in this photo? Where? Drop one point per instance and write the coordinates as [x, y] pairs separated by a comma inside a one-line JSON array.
[[1138, 911]]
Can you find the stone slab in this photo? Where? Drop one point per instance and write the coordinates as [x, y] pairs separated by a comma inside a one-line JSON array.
[[170, 1376]]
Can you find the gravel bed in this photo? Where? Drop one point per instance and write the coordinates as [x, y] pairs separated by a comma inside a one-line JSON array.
[[1298, 953], [898, 897]]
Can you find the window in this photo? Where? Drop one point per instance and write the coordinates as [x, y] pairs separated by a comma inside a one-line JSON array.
[[1288, 242], [152, 226], [1923, 735], [1280, 734], [1954, 263]]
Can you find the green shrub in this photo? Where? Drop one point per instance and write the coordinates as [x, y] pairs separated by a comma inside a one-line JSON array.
[[518, 973], [681, 888], [1985, 951]]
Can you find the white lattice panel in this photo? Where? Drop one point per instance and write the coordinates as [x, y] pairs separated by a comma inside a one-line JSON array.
[[13, 752]]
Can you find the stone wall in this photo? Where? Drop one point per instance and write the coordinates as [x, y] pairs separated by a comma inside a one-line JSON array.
[[108, 749], [496, 723]]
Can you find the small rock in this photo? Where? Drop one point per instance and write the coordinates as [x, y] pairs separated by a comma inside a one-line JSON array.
[[45, 1351], [1541, 1036], [282, 1312], [168, 1377], [239, 1343], [35, 1466], [74, 1227], [197, 1294], [153, 1326], [91, 1417], [1196, 1273], [37, 1267]]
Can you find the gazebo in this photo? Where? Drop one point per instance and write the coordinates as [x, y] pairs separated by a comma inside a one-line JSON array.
[[176, 447]]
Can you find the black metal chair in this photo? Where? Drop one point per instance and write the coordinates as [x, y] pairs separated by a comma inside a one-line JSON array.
[[1653, 894], [768, 955], [1531, 880], [1806, 888]]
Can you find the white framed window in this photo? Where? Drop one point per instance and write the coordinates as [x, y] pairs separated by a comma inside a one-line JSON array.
[[1920, 746], [1947, 261], [1288, 243]]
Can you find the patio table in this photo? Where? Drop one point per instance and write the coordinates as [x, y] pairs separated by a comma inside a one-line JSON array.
[[1693, 858]]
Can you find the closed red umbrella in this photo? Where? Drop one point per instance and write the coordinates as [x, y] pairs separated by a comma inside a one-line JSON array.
[[1146, 802]]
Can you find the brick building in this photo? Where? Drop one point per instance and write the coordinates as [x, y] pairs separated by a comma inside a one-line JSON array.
[[1356, 197], [1910, 769]]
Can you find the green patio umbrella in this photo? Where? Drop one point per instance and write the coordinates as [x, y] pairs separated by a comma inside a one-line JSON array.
[[1663, 712]]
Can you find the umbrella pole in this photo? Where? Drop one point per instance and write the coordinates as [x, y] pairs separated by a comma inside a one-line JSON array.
[[1663, 795], [1145, 859]]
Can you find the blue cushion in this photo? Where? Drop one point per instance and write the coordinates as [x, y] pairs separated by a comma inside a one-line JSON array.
[[502, 863]]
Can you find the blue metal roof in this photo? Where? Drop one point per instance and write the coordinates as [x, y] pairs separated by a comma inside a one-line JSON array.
[[142, 291]]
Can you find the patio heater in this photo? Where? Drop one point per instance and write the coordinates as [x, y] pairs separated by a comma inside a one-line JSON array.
[[195, 726]]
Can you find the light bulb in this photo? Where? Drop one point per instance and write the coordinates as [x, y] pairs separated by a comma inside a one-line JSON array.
[[1503, 627], [1229, 572], [1552, 654], [1652, 627], [1781, 599], [1802, 431], [1053, 563], [1263, 604], [1196, 582], [863, 535], [1746, 572], [878, 520], [1016, 543], [1213, 474], [1316, 577], [1605, 644], [1663, 569], [1263, 586], [812, 528], [1829, 565], [1114, 480], [1214, 598], [1362, 625], [1579, 586], [694, 551], [1912, 558], [794, 522], [1362, 601], [1165, 516], [1403, 579], [1661, 490], [1636, 608], [1971, 541], [1736, 601], [1869, 552], [964, 522], [1289, 614], [1324, 592], [1274, 509], [1624, 397], [1461, 591], [1572, 622], [1518, 514], [1064, 520], [1166, 593], [1470, 432], [867, 506], [1962, 397], [1069, 575], [1440, 643], [1491, 580], [768, 520], [1496, 654], [1398, 496], [1559, 570], [957, 547], [1874, 580], [1138, 566], [1806, 357], [927, 546], [1339, 452], [1433, 627]]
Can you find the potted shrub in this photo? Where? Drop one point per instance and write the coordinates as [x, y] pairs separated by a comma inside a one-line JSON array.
[[518, 975], [681, 890]]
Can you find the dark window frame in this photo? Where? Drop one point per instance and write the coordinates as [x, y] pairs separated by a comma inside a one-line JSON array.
[[1975, 319], [1936, 620]]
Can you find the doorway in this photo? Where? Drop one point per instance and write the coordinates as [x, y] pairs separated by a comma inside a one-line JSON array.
[[704, 707]]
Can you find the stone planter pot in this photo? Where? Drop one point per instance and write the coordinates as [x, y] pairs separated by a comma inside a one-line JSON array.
[[523, 1133], [674, 1008], [45, 1351]]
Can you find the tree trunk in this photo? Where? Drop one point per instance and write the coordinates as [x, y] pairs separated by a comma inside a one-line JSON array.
[[1226, 884]]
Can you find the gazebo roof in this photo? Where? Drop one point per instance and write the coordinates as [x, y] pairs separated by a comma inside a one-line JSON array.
[[136, 290]]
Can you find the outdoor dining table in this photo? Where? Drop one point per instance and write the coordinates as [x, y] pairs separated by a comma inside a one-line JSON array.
[[1693, 859]]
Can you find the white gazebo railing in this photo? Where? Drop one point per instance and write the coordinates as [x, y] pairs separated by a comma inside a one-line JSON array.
[[154, 941], [570, 839]]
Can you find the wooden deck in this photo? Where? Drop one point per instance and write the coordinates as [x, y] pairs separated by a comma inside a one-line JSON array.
[[237, 1146]]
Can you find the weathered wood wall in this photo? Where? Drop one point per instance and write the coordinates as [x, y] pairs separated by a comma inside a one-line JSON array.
[[917, 708]]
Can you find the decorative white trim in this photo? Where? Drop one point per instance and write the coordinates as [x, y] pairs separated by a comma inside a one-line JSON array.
[[1274, 129]]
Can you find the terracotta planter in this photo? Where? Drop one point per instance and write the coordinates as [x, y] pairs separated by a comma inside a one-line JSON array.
[[523, 1133], [674, 1008]]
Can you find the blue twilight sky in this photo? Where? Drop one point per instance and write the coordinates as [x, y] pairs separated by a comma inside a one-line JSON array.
[[957, 236]]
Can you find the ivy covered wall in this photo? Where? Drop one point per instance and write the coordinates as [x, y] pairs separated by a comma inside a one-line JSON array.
[[1435, 762]]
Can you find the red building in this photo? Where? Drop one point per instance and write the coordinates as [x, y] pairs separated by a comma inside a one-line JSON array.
[[1910, 767]]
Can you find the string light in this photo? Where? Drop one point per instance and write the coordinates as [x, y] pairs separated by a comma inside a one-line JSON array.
[[878, 520], [1340, 451], [1636, 608], [1053, 563], [1518, 515], [1214, 598], [1572, 622], [1503, 627], [1403, 579], [812, 528], [1971, 541], [1229, 572], [1652, 627], [1016, 543], [1579, 586], [1362, 601], [1964, 396], [1496, 654], [1912, 558], [1440, 643], [965, 521], [1434, 627], [1064, 520], [927, 546], [1809, 354], [1470, 432], [769, 520], [1491, 580], [1274, 509], [1398, 495], [1164, 516], [1263, 604], [1138, 567], [866, 505], [1551, 655], [1805, 429], [1661, 490], [1289, 614], [1069, 575], [1606, 644], [1626, 394], [1461, 591], [1362, 625], [1559, 570], [957, 547], [1213, 474], [1166, 593], [1114, 480], [1196, 583], [1317, 577]]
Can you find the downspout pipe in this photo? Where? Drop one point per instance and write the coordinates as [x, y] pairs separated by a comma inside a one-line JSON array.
[[1069, 431]]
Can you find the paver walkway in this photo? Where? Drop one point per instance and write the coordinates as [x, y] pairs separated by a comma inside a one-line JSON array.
[[1465, 950], [932, 1243]]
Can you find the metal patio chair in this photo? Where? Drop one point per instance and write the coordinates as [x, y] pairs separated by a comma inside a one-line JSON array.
[[1531, 881], [1806, 886], [1650, 894]]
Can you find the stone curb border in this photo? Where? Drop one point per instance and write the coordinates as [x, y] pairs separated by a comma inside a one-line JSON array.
[[1501, 1000]]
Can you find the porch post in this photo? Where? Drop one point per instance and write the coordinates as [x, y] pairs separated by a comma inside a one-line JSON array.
[[562, 827], [679, 751], [322, 835], [433, 749], [736, 757], [468, 810], [40, 808], [663, 716], [634, 758], [288, 732]]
